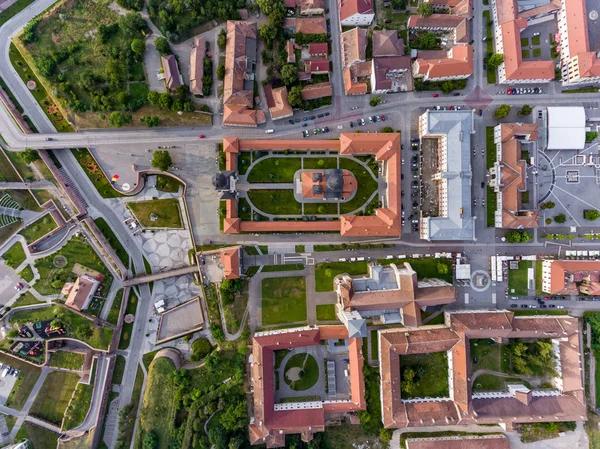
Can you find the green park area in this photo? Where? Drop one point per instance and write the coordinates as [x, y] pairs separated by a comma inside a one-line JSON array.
[[301, 372], [163, 213], [517, 279], [79, 405], [57, 268], [94, 173], [165, 183], [27, 274], [531, 358], [130, 309], [53, 398], [275, 169], [38, 437], [76, 325], [326, 312], [424, 375], [112, 240], [39, 228], [425, 268], [66, 360], [14, 256], [283, 300]]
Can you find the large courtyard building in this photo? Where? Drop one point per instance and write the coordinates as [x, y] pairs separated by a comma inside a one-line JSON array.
[[571, 277], [452, 132], [271, 419], [578, 52], [508, 176], [514, 403], [389, 294], [510, 18]]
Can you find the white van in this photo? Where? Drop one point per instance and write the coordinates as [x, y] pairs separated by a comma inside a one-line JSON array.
[[269, 131]]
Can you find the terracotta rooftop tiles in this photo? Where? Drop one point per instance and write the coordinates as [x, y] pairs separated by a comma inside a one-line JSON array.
[[387, 43], [197, 65], [319, 90], [348, 8]]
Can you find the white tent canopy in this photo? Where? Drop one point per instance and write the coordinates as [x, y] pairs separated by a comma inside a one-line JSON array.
[[566, 128]]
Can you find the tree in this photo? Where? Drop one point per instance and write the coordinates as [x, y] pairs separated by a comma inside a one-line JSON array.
[[162, 45], [151, 121], [495, 60], [547, 205], [132, 24], [28, 156], [165, 100], [222, 39], [153, 97], [116, 119], [268, 33], [398, 4], [289, 74], [591, 214], [83, 332], [138, 46], [502, 111], [425, 9], [447, 86], [221, 72], [387, 129], [442, 268], [385, 435], [518, 237], [560, 218], [161, 160], [408, 383], [46, 65], [295, 97], [525, 110], [235, 417], [375, 100], [150, 441]]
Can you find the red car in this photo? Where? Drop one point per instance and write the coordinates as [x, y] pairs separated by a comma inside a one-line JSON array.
[[508, 92], [201, 136], [208, 55], [383, 118], [435, 95]]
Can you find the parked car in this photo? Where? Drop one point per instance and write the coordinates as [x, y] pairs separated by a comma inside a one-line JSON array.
[[435, 95], [201, 136]]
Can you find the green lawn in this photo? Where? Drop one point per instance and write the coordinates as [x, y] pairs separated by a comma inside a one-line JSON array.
[[517, 279], [521, 312], [537, 52], [128, 327], [119, 370], [538, 278], [168, 184], [309, 373], [319, 163], [487, 353], [283, 300], [77, 326], [426, 267], [14, 256], [244, 161], [491, 206], [26, 299], [536, 40], [52, 400], [77, 250], [288, 267], [326, 312], [7, 173], [39, 228], [490, 147], [366, 185], [79, 406], [524, 42], [27, 273], [66, 359], [431, 379], [490, 382], [299, 248], [275, 169], [276, 202], [113, 313], [321, 208], [95, 173], [374, 345], [38, 437], [28, 376], [113, 241], [167, 210], [22, 167], [325, 272], [525, 54]]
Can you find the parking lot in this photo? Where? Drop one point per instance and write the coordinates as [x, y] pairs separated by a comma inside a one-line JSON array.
[[7, 382]]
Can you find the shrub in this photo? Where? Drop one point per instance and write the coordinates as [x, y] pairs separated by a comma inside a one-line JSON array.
[[591, 214], [162, 45], [502, 111], [200, 349], [547, 205], [560, 218]]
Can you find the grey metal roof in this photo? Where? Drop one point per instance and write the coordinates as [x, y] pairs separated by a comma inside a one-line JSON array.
[[459, 224], [357, 328]]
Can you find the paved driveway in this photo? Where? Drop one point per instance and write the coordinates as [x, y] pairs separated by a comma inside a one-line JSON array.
[[8, 280]]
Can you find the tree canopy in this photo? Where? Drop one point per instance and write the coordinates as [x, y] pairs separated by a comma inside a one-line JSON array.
[[495, 60], [161, 159], [425, 9], [502, 111]]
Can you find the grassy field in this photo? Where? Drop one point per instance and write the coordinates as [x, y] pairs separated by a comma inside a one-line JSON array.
[[113, 313], [283, 300], [326, 312], [128, 327], [286, 267], [234, 312], [490, 382], [27, 273], [299, 248], [491, 206], [76, 326], [26, 299], [22, 167], [488, 355], [490, 147], [275, 202], [374, 345], [77, 250], [113, 241], [517, 279], [321, 208], [95, 173], [168, 184], [167, 210], [432, 374], [66, 359], [14, 256], [119, 370], [39, 438], [27, 378], [319, 163], [366, 185], [52, 400], [309, 373], [275, 169], [7, 173], [24, 198], [39, 228], [158, 406], [79, 406]]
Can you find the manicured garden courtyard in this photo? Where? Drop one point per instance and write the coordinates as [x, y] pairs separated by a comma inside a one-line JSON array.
[[275, 169], [424, 375], [301, 372], [283, 300], [517, 279], [39, 228], [163, 213]]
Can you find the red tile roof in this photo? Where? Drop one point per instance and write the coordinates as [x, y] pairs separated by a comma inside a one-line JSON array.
[[319, 90], [230, 259], [458, 62], [318, 48], [312, 25], [316, 65], [350, 7]]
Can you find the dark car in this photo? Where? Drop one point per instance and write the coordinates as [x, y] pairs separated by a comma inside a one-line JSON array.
[[351, 124], [327, 114], [415, 140], [475, 360], [524, 306], [514, 306], [312, 117], [456, 94], [297, 120], [552, 306], [304, 125], [482, 184], [320, 115], [306, 119], [291, 122], [543, 306], [513, 91]]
